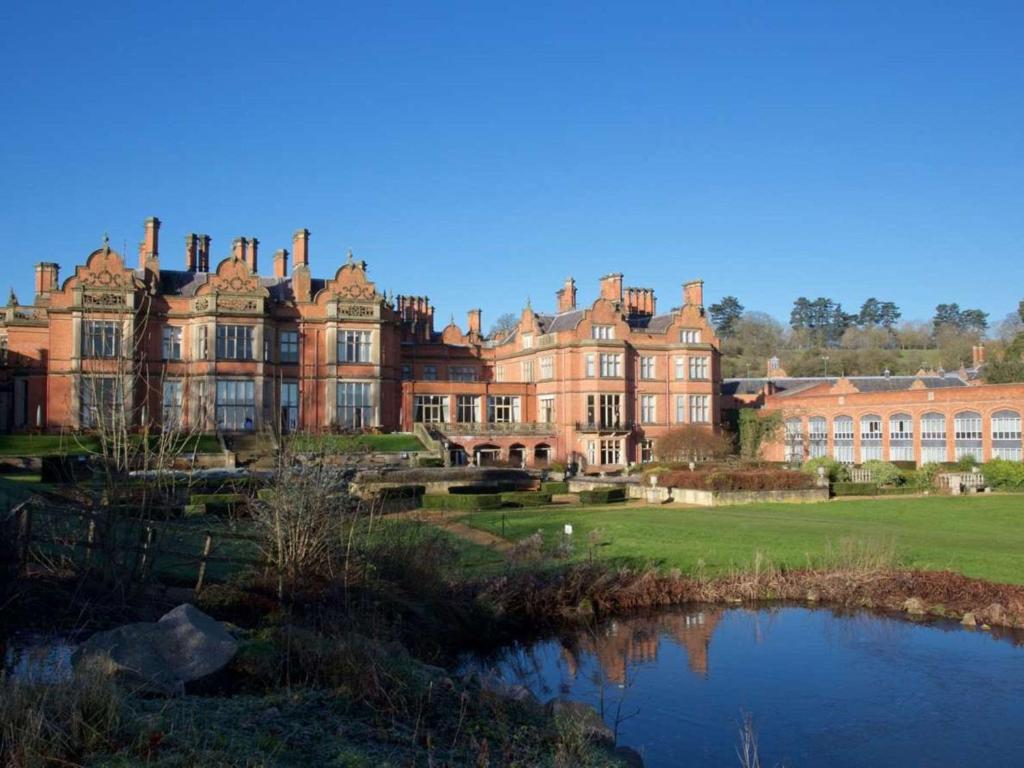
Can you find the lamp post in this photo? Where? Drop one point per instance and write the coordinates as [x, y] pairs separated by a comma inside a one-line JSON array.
[[824, 359]]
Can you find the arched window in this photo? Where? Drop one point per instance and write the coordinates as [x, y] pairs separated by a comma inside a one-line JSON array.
[[1006, 442], [901, 437], [817, 436], [842, 439], [967, 435], [870, 438], [794, 437], [933, 438]]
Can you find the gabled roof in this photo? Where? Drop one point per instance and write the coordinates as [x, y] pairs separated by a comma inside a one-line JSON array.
[[651, 324], [791, 386], [565, 321]]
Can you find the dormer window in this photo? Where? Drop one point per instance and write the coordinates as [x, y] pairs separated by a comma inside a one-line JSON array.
[[689, 336], [604, 331], [528, 342]]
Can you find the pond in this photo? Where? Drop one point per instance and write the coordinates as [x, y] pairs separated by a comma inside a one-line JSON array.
[[820, 688]]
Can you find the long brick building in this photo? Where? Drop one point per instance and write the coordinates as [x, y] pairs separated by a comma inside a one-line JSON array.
[[219, 346]]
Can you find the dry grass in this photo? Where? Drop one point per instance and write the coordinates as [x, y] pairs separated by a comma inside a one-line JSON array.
[[57, 724]]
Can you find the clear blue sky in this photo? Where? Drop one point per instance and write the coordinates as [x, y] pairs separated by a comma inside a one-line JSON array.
[[481, 152]]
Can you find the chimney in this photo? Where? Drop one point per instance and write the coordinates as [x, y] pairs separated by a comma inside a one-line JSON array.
[[300, 249], [978, 355], [567, 296], [281, 263], [611, 287], [474, 321], [204, 253], [46, 279], [693, 293], [251, 255], [150, 247], [191, 251], [238, 248]]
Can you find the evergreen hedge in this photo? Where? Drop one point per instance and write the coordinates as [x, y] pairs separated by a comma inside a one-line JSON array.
[[461, 501], [603, 496]]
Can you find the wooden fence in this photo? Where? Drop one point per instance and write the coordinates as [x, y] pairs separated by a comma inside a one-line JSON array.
[[156, 540]]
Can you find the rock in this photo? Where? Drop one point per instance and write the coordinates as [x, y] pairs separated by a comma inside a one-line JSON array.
[[813, 596], [995, 614], [584, 715], [493, 683], [916, 606], [968, 620], [160, 657], [629, 756]]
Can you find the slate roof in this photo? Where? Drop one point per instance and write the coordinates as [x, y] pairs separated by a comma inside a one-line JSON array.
[[566, 321], [754, 386], [651, 324]]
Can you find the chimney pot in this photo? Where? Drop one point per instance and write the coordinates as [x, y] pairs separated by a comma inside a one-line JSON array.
[[300, 248], [251, 256], [191, 252], [281, 263]]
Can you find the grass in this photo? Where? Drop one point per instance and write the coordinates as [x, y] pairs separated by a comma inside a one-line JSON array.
[[978, 537], [75, 445], [393, 443]]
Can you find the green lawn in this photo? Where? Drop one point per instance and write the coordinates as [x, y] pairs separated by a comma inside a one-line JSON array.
[[393, 443], [56, 445], [981, 537]]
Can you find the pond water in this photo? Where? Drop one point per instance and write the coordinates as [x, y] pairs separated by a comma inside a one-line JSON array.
[[820, 688]]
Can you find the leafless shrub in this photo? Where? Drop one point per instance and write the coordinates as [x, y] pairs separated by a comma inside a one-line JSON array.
[[746, 751], [526, 550]]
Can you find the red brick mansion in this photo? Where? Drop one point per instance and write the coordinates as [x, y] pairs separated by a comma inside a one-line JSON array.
[[223, 347]]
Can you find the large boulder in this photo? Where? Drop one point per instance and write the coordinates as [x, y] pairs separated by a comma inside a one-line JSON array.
[[160, 657]]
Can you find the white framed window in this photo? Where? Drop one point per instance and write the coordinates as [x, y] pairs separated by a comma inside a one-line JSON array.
[[467, 409], [794, 440], [289, 346], [611, 366], [354, 405], [699, 368], [527, 341], [680, 409], [842, 439], [689, 336], [648, 409], [611, 451], [547, 367], [590, 366], [646, 451], [647, 366], [354, 346], [700, 411], [234, 342], [680, 365], [172, 397], [289, 405], [901, 437], [462, 373], [431, 409], [1006, 435], [527, 366], [604, 411], [933, 438], [503, 409], [236, 405], [499, 373], [967, 435], [604, 331], [100, 398], [870, 438], [171, 347], [591, 452], [101, 338], [817, 436], [546, 409]]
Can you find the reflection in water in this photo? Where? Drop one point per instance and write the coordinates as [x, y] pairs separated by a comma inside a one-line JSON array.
[[823, 688], [618, 644]]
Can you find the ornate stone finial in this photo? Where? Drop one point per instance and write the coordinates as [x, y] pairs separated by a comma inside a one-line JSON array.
[[451, 319], [12, 298], [351, 261], [106, 242]]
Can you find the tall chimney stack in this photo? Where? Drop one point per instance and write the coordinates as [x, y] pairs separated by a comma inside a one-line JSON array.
[[281, 263], [191, 251], [47, 278], [474, 316], [150, 247], [611, 287], [693, 293], [238, 248], [300, 249], [204, 253], [567, 296], [251, 255]]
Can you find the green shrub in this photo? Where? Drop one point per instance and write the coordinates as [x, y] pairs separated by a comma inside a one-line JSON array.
[[552, 487], [461, 501], [854, 489], [603, 496], [526, 498], [194, 510], [883, 472], [429, 461], [836, 472], [556, 466], [1000, 473], [217, 498], [924, 476], [966, 463]]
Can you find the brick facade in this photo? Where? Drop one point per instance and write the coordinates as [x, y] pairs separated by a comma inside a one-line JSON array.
[[230, 349]]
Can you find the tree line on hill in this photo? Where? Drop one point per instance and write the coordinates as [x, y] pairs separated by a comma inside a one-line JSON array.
[[823, 339]]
